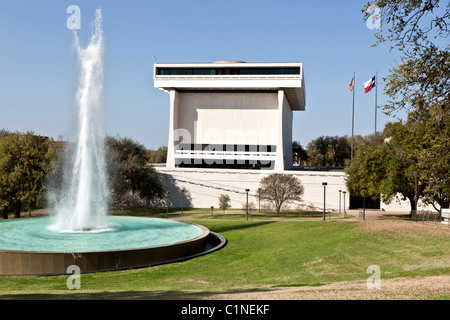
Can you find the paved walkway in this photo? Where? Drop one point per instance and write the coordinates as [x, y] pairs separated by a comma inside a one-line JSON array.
[[376, 214]]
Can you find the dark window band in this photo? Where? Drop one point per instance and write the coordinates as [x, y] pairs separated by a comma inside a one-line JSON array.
[[226, 71]]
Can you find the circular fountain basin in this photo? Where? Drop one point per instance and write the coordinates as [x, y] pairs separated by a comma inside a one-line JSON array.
[[29, 247]]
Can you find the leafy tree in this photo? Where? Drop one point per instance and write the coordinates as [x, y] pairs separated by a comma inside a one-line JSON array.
[[132, 179], [367, 169], [224, 202], [329, 151], [420, 84], [158, 156], [384, 164], [411, 23], [279, 188], [298, 152], [429, 140], [339, 150], [24, 161], [318, 151]]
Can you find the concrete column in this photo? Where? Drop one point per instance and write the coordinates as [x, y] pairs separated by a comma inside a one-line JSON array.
[[170, 163], [287, 135], [279, 162]]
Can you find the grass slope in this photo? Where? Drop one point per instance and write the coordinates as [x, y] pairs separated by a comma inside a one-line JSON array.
[[264, 254]]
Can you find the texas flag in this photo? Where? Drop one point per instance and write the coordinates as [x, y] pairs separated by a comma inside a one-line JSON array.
[[368, 85]]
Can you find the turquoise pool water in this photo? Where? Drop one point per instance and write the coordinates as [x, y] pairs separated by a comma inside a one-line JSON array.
[[33, 234]]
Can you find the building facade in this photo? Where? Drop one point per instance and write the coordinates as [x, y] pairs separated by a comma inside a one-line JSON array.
[[231, 114]]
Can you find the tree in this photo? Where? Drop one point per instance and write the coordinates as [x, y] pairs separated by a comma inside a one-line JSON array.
[[158, 156], [298, 152], [383, 164], [329, 151], [412, 23], [318, 151], [279, 188], [430, 144], [248, 207], [420, 84], [224, 202], [339, 151], [25, 159], [132, 180], [367, 169]]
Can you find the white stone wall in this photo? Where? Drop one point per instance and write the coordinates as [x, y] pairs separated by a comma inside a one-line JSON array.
[[399, 205], [204, 186], [228, 118]]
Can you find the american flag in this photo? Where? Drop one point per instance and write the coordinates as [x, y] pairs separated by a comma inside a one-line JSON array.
[[351, 85]]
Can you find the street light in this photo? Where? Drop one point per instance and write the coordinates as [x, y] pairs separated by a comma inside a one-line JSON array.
[[416, 176], [345, 213], [246, 209], [324, 198], [364, 204], [340, 201]]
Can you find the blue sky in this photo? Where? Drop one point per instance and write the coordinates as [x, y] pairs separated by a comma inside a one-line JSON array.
[[38, 66]]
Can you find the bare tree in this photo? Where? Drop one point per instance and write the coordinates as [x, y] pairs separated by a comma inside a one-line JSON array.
[[251, 207], [281, 188]]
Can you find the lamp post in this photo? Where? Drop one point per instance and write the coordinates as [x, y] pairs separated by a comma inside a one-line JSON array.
[[416, 176], [324, 198], [246, 208], [340, 201], [364, 204], [345, 213]]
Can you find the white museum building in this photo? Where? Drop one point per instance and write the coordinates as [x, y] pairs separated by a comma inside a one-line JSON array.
[[230, 125]]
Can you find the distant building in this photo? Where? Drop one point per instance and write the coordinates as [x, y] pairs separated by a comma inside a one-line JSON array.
[[231, 114], [226, 118]]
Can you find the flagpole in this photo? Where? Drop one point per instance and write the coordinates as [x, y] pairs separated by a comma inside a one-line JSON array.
[[376, 93], [353, 114]]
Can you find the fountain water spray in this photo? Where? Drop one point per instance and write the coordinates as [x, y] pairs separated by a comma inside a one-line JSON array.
[[82, 204]]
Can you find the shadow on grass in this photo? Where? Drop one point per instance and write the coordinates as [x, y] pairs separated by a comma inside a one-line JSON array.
[[238, 226], [126, 295]]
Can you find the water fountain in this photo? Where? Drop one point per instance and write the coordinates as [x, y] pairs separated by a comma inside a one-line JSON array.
[[80, 232], [83, 203]]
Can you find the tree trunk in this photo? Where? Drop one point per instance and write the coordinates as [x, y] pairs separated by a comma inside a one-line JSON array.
[[5, 213], [278, 207], [17, 208]]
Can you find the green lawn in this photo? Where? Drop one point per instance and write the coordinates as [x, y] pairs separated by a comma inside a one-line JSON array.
[[262, 254]]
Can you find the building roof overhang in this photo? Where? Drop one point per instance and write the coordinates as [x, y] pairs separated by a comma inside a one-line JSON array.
[[292, 84]]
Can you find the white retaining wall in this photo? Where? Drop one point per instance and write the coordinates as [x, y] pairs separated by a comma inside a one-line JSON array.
[[204, 186]]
